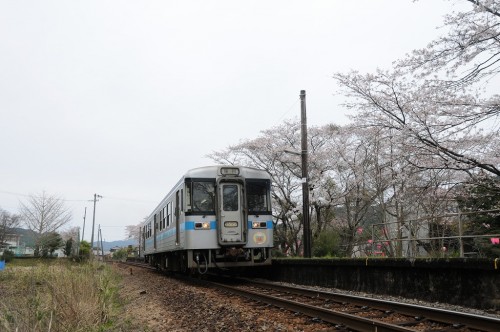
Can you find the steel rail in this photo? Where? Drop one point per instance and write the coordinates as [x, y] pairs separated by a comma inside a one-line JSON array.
[[351, 321], [473, 321]]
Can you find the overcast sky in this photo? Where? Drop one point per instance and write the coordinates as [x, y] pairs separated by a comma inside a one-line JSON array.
[[120, 98]]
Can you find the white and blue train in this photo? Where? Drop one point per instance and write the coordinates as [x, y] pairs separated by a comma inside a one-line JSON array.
[[214, 217]]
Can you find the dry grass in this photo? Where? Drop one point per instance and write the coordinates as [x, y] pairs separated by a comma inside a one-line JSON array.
[[58, 297]]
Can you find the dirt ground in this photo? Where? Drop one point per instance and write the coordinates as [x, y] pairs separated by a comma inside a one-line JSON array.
[[154, 302]]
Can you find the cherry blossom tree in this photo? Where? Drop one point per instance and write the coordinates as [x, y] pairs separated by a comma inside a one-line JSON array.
[[269, 152], [437, 98], [134, 232]]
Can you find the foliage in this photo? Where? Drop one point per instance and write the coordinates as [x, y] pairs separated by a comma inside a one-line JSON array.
[[7, 256], [481, 194], [120, 254], [68, 247], [59, 297], [327, 244], [47, 244], [84, 249]]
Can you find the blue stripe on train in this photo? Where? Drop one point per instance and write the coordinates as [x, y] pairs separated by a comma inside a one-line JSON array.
[[189, 226]]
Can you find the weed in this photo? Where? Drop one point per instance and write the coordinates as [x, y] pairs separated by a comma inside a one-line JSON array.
[[58, 297]]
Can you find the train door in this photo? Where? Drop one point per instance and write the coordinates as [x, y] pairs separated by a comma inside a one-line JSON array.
[[177, 219], [231, 217]]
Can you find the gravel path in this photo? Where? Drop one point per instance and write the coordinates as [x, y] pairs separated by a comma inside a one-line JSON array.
[[157, 303]]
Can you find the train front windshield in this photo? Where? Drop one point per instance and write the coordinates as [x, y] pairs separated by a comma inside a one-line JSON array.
[[258, 195], [202, 197]]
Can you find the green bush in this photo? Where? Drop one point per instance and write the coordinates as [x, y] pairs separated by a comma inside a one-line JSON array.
[[120, 254], [327, 244], [7, 256]]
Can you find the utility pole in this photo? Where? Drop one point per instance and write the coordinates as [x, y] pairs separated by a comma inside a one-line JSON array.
[[99, 235], [93, 225], [305, 181], [84, 216]]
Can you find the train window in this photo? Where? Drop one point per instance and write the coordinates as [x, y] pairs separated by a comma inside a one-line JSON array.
[[182, 200], [188, 197], [164, 220], [230, 197], [257, 195], [169, 214], [203, 197]]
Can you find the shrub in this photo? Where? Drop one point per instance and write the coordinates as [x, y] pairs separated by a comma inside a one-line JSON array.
[[7, 256], [327, 244]]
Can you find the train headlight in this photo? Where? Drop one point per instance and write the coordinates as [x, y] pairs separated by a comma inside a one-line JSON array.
[[202, 225], [259, 224]]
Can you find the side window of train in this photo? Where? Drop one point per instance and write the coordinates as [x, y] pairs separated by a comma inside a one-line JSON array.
[[161, 219], [165, 216], [169, 213], [182, 200], [188, 197]]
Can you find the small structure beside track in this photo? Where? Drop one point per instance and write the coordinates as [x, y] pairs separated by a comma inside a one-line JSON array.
[[473, 283]]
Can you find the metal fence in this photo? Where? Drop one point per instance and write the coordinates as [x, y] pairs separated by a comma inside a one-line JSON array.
[[452, 234]]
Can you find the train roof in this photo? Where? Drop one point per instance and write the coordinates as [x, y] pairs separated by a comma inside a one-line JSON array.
[[214, 171]]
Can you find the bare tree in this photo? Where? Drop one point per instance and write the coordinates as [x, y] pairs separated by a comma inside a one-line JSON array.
[[7, 223], [43, 214]]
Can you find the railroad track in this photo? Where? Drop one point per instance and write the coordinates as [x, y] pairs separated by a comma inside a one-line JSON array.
[[359, 313], [352, 313]]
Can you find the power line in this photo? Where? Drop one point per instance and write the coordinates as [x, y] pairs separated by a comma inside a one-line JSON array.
[[13, 193], [129, 199], [29, 195], [289, 109], [83, 200]]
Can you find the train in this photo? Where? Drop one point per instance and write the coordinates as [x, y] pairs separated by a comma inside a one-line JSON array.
[[215, 217]]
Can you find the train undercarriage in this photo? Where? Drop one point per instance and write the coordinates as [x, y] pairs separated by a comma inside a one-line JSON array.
[[199, 261]]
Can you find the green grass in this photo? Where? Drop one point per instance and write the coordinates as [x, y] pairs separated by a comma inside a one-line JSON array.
[[58, 295]]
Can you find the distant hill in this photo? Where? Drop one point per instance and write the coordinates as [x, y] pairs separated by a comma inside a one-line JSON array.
[[121, 244]]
